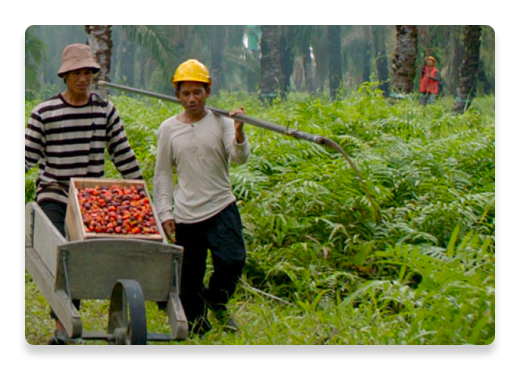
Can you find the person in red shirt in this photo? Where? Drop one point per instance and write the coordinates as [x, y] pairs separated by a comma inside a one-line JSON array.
[[429, 83]]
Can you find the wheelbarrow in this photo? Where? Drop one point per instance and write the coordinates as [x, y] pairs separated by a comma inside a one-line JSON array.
[[128, 272]]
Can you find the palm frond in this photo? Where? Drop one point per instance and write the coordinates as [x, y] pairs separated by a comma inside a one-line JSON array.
[[157, 40]]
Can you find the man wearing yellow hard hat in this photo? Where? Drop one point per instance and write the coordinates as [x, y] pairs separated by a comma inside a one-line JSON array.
[[204, 217]]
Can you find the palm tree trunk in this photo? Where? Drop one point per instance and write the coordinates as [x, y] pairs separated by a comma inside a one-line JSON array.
[[367, 53], [218, 40], [308, 71], [335, 63], [403, 61], [270, 69], [287, 41], [469, 69], [99, 38], [321, 56]]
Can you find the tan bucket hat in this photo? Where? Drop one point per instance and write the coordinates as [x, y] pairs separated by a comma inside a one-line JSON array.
[[77, 56]]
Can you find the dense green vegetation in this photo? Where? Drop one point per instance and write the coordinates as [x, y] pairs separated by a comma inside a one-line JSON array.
[[321, 269]]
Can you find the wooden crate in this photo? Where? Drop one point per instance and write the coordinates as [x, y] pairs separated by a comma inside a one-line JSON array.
[[74, 219]]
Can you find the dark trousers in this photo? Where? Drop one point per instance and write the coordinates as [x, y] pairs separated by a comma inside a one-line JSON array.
[[222, 236], [56, 213], [428, 98]]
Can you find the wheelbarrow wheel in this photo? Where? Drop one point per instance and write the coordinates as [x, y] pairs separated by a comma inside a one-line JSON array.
[[127, 315]]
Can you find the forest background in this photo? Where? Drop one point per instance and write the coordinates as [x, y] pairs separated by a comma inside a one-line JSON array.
[[321, 268], [270, 61]]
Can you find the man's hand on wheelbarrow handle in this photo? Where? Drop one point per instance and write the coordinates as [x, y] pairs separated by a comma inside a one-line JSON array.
[[169, 230]]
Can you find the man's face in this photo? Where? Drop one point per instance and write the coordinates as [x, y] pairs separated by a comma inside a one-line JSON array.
[[192, 96], [79, 80]]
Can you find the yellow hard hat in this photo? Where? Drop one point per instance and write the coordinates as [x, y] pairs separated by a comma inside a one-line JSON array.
[[191, 70]]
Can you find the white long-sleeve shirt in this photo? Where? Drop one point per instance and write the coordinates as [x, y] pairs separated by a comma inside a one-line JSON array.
[[201, 153]]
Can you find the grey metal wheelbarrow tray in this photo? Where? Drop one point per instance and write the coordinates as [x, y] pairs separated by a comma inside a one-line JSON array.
[[126, 271]]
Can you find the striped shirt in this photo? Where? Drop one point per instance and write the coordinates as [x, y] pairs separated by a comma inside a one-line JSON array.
[[69, 141]]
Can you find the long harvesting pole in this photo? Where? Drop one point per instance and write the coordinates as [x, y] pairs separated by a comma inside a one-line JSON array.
[[239, 117], [262, 124]]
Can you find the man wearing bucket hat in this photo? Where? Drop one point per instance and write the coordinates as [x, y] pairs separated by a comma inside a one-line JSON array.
[[67, 135], [429, 83], [205, 217], [76, 57]]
